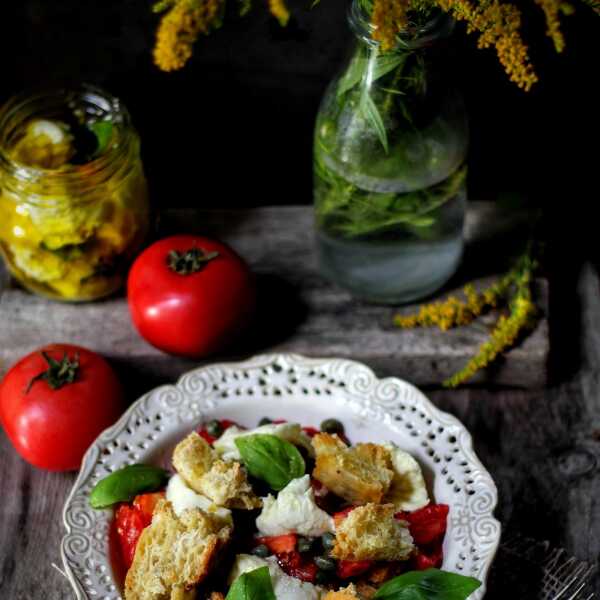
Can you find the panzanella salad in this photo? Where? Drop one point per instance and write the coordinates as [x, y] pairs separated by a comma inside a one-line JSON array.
[[279, 512]]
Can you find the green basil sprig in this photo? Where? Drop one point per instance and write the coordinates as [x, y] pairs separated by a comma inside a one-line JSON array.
[[431, 584], [126, 483], [253, 585], [271, 459]]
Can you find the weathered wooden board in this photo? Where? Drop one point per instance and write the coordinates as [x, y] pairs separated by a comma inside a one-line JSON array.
[[541, 447], [299, 311]]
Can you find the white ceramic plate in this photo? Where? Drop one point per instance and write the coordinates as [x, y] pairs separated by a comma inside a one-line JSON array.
[[298, 389]]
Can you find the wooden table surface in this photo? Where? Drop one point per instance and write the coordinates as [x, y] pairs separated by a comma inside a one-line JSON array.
[[542, 446]]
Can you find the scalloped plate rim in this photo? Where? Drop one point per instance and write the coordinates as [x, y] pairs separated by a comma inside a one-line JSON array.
[[264, 359]]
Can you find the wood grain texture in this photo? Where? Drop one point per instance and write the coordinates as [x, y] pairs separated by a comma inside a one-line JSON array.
[[542, 448], [299, 311]]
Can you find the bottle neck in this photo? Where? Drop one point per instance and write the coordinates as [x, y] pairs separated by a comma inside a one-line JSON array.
[[421, 31]]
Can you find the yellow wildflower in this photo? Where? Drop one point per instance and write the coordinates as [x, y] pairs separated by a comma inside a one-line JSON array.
[[453, 312], [552, 10], [388, 20], [180, 28], [498, 25], [505, 334], [280, 11]]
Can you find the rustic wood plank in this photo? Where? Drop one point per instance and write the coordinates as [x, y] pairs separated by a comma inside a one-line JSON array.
[[541, 447], [298, 310]]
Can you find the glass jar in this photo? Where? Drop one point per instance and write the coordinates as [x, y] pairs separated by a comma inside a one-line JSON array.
[[389, 166], [73, 197]]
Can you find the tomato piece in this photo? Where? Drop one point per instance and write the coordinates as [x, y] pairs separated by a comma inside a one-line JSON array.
[[146, 503], [432, 559], [280, 544], [130, 523], [428, 524], [293, 564], [190, 295], [56, 401], [278, 421], [353, 568], [339, 516], [310, 431]]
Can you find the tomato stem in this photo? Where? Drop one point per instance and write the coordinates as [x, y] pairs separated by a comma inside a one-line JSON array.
[[59, 372], [191, 261]]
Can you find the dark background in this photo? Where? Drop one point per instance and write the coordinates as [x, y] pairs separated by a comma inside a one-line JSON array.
[[235, 127]]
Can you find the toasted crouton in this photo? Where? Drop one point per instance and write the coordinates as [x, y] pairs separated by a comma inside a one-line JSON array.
[[225, 483], [371, 532], [359, 474], [217, 596], [180, 593], [192, 458], [174, 554], [348, 593]]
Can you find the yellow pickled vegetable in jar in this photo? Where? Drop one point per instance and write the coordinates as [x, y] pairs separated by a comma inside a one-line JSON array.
[[74, 205]]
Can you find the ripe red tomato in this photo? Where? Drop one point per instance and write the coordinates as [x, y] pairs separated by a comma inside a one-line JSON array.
[[189, 295], [52, 427]]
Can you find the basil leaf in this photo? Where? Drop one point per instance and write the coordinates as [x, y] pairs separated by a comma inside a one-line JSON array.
[[271, 459], [253, 585], [431, 584], [126, 483], [103, 130]]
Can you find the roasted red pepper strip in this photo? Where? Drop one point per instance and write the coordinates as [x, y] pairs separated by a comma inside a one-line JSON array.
[[130, 523], [431, 559], [279, 544], [295, 565], [146, 504], [353, 568], [428, 524]]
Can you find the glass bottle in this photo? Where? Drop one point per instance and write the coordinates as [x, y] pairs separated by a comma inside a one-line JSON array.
[[73, 197], [389, 166]]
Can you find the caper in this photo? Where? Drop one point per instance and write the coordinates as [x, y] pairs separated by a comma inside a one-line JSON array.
[[304, 544], [322, 577], [332, 426], [328, 540], [261, 550], [214, 428], [265, 421], [325, 563]]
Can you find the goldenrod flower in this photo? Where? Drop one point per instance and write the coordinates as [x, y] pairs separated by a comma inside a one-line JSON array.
[[280, 11], [506, 332], [552, 11], [453, 312], [388, 20], [180, 28], [498, 25]]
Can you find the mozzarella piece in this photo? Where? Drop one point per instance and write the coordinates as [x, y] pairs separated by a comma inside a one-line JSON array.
[[284, 586], [294, 511], [408, 490], [49, 129], [183, 497], [291, 432]]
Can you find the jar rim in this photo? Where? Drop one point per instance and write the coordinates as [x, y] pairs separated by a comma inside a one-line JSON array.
[[416, 36], [19, 109]]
